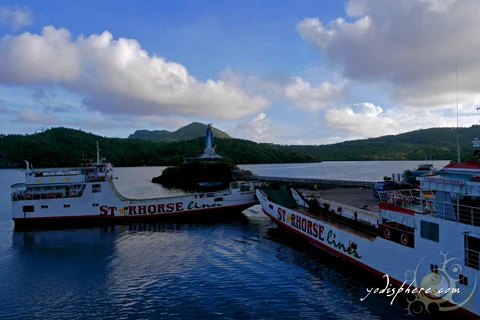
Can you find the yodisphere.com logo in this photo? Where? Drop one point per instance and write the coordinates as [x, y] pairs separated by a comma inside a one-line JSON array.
[[440, 289]]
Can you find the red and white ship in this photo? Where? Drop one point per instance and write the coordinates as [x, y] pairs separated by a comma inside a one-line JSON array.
[[53, 197], [426, 238]]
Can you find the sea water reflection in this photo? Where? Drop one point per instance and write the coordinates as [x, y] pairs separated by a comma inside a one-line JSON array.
[[242, 268]]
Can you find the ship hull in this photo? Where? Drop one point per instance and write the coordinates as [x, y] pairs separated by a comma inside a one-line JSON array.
[[86, 221], [101, 204], [377, 256]]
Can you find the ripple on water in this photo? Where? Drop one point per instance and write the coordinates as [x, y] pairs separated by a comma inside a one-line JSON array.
[[224, 271]]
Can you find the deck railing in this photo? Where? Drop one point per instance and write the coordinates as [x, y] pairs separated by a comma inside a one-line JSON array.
[[423, 202], [21, 195], [472, 258]]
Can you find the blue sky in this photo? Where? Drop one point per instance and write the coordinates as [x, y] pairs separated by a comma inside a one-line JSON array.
[[288, 72]]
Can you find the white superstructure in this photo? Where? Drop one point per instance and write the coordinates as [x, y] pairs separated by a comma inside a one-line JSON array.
[[426, 238], [50, 196]]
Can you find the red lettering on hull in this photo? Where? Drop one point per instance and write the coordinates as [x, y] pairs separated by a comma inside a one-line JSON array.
[[152, 209], [149, 209]]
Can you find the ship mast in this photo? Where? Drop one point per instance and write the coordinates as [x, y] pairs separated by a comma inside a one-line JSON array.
[[458, 144], [98, 155]]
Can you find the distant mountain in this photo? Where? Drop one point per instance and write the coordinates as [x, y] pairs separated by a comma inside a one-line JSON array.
[[433, 143], [191, 131]]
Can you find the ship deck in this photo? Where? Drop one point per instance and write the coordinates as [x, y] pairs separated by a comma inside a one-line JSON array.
[[358, 198], [352, 197], [341, 225]]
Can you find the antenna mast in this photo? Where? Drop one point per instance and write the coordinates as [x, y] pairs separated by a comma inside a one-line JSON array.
[[98, 155], [458, 144]]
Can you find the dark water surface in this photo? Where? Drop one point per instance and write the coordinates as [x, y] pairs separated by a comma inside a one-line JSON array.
[[240, 268]]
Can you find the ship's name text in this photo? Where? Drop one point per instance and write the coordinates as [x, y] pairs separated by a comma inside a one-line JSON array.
[[316, 230], [155, 208]]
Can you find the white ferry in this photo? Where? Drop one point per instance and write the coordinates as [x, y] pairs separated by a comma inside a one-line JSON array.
[[425, 241], [54, 197]]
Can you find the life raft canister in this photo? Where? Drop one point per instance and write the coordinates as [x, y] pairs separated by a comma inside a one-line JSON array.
[[404, 239], [386, 233]]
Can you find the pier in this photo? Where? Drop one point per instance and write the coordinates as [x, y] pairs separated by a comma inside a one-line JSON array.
[[319, 183]]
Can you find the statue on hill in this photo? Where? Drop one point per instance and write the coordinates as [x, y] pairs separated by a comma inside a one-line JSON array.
[[209, 140], [209, 152]]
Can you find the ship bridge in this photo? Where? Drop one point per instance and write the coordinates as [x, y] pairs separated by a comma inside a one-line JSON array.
[[457, 196]]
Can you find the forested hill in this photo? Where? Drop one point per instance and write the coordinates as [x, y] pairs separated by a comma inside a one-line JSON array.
[[434, 143], [62, 147], [188, 132]]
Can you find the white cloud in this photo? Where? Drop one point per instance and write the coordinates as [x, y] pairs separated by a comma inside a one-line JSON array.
[[117, 76], [33, 116], [367, 120], [16, 17], [411, 45], [261, 129], [307, 97]]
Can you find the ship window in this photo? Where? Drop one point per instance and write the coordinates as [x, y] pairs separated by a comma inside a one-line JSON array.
[[270, 206], [28, 209], [429, 230], [472, 252], [463, 280], [96, 188], [66, 206], [44, 207], [218, 199], [434, 268]]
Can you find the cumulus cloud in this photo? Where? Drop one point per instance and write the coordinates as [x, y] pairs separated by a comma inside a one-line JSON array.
[[261, 129], [118, 76], [364, 119], [368, 120], [281, 88], [411, 45], [16, 17], [307, 97], [33, 116]]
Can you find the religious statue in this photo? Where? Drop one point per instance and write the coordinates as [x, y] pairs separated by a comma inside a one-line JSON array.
[[209, 140]]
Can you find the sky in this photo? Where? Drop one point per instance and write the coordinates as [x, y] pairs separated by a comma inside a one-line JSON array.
[[275, 71]]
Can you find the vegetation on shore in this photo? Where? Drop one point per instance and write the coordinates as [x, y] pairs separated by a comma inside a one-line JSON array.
[[188, 176], [434, 143], [64, 147]]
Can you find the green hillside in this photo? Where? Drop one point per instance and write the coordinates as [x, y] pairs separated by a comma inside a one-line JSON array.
[[434, 143], [191, 131], [62, 147]]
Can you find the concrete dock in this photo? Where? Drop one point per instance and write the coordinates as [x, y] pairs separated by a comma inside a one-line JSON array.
[[311, 183], [354, 197]]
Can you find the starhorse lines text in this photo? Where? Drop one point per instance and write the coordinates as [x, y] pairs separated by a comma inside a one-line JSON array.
[[316, 230], [154, 208]]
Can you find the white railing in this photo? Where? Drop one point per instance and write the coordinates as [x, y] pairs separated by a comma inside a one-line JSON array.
[[423, 202], [472, 258], [21, 195]]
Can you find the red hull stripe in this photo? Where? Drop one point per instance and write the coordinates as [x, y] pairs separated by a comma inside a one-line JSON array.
[[355, 262], [120, 217], [394, 208]]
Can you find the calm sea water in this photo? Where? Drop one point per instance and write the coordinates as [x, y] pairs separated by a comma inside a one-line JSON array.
[[242, 268]]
